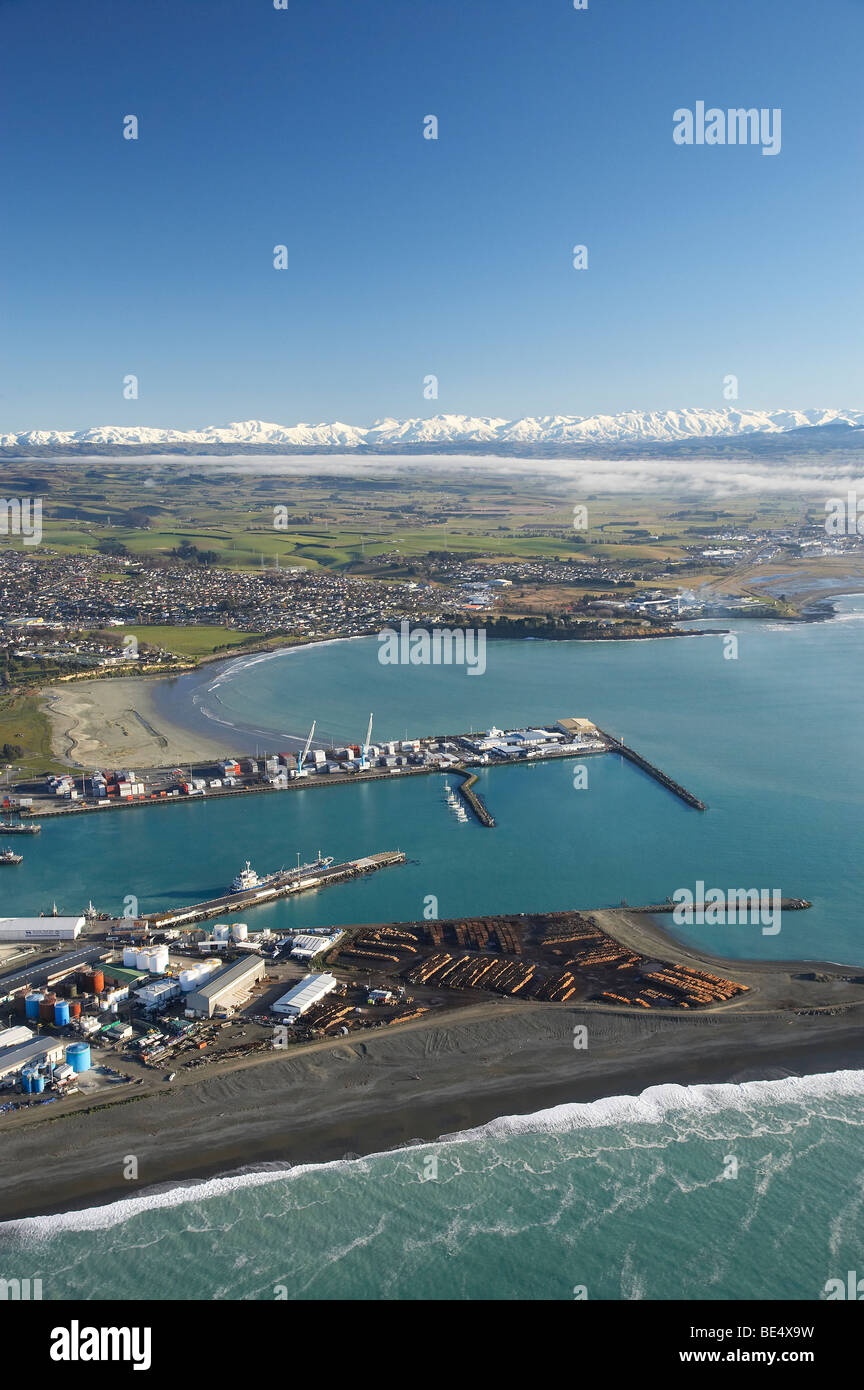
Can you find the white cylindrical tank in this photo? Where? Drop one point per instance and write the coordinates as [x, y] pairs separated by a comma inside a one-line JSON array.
[[130, 955], [240, 931], [190, 979], [158, 960], [142, 959], [221, 933]]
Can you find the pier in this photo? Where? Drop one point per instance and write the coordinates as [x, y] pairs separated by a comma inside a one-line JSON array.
[[293, 881], [616, 745]]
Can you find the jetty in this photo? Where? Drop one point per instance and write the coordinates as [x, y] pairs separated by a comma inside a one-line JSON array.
[[617, 745], [293, 881]]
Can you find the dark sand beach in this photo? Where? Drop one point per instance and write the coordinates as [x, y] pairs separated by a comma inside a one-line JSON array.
[[344, 1098]]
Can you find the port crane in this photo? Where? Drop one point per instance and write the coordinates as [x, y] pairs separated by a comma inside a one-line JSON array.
[[364, 752], [301, 760]]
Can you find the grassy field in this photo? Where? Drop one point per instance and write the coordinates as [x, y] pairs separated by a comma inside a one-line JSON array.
[[24, 725], [191, 641], [344, 524]]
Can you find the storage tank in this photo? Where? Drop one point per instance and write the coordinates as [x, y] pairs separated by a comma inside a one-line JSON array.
[[130, 955], [62, 1013], [75, 1008], [142, 959], [84, 979], [190, 979], [20, 1003], [46, 1007], [78, 1056], [160, 957], [31, 1005], [98, 981], [27, 1081], [240, 931], [221, 933], [37, 1085]]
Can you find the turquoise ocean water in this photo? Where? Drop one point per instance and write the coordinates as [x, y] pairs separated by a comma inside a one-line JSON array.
[[616, 1196]]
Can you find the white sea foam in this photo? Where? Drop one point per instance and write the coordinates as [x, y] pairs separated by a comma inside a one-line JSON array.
[[653, 1106]]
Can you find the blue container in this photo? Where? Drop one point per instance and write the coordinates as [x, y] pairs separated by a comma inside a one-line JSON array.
[[61, 1012], [78, 1056], [38, 1085], [27, 1081], [31, 1005]]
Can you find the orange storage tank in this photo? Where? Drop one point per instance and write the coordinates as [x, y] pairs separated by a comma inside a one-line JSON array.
[[98, 982], [75, 1008]]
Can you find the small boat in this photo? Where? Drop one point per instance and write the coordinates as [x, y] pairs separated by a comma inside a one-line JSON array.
[[8, 856]]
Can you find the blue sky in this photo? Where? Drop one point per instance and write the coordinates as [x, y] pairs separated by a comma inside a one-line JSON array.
[[409, 256]]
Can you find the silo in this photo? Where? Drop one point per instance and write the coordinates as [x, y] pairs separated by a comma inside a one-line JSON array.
[[221, 933], [37, 1083], [20, 1003], [78, 1056], [130, 954], [189, 979], [142, 959], [27, 1081], [46, 1007], [240, 931], [31, 1005], [98, 981], [62, 1013]]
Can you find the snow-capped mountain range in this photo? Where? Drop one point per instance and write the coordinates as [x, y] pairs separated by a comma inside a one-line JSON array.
[[630, 427]]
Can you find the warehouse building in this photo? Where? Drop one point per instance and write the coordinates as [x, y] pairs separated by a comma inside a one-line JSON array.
[[40, 928], [13, 1037], [304, 995], [31, 1054], [227, 989]]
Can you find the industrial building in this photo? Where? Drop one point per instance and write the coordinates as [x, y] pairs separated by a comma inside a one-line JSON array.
[[13, 1037], [158, 994], [31, 1054], [40, 928], [309, 944], [304, 995], [227, 989]]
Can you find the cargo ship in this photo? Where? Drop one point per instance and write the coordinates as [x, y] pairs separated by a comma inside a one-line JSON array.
[[8, 856], [20, 829]]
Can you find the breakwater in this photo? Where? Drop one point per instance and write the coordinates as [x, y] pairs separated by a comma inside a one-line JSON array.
[[473, 800], [616, 745]]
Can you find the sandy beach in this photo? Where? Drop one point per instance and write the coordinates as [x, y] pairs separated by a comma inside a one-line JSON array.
[[106, 723], [346, 1098]]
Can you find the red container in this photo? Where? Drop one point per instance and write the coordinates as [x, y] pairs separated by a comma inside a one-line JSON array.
[[75, 1008]]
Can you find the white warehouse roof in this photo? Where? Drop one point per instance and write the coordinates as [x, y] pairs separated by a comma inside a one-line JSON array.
[[30, 928], [305, 994]]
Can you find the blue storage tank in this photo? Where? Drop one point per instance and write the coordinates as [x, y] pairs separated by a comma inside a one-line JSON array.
[[38, 1084], [78, 1056], [61, 1012], [27, 1081], [31, 1005]]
